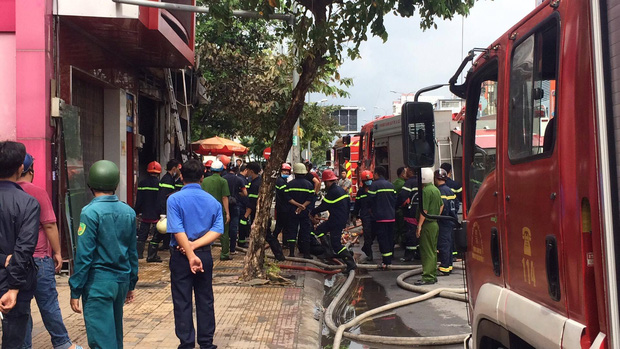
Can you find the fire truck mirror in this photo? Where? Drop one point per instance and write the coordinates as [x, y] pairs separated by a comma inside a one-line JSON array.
[[418, 130], [346, 153]]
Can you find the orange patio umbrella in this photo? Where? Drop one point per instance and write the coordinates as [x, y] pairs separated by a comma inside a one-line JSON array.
[[218, 146]]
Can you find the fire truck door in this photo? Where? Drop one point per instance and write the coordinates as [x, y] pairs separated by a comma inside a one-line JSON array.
[[531, 172]]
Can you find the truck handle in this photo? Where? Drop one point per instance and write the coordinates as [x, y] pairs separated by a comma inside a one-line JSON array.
[[553, 268], [495, 254]]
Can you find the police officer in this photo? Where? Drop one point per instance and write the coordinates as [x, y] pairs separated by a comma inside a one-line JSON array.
[[146, 204], [299, 194], [166, 188], [106, 261], [218, 188], [446, 226], [383, 197], [253, 171], [428, 229], [282, 210], [336, 202], [407, 200], [362, 211]]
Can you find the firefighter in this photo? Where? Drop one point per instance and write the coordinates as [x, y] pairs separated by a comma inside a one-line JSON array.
[[362, 211], [446, 226], [166, 188], [402, 174], [383, 209], [336, 202], [428, 229], [455, 186], [299, 195], [208, 171], [407, 200], [243, 203], [236, 186], [282, 210], [247, 217], [106, 261], [218, 188], [146, 204]]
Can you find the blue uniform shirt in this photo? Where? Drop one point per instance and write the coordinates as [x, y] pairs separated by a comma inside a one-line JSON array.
[[194, 212]]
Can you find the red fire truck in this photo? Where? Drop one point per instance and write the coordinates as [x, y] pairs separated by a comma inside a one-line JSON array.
[[540, 212], [346, 157]]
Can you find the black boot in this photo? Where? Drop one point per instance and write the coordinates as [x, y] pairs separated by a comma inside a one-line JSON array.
[[152, 254], [140, 249], [347, 258], [329, 252], [291, 249], [408, 257], [275, 246], [367, 249]]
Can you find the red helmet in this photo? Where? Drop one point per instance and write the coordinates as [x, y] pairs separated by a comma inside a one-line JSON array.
[[225, 159], [286, 167], [366, 175], [209, 163], [153, 167], [328, 175]]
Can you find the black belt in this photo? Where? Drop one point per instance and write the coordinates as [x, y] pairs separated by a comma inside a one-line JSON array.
[[201, 249]]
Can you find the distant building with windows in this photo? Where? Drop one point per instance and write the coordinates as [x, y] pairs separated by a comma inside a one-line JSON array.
[[346, 117], [439, 103]]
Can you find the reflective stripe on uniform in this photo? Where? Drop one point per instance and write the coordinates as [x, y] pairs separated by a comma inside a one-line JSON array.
[[387, 254], [457, 190], [363, 196], [342, 249], [381, 191], [148, 188], [411, 248], [299, 189], [410, 189], [243, 222], [451, 197], [320, 235], [445, 270], [291, 240], [179, 185], [336, 200], [253, 196], [280, 187], [164, 185]]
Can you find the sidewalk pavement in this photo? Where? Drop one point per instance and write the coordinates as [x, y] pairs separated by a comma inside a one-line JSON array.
[[270, 317]]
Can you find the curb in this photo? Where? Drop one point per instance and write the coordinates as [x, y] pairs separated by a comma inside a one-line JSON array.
[[309, 331]]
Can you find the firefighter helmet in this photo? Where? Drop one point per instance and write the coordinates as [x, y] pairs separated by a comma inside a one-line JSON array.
[[225, 159], [162, 225], [427, 175], [366, 175], [328, 175], [103, 175], [153, 167], [217, 166], [286, 167], [208, 163], [300, 168], [441, 174]]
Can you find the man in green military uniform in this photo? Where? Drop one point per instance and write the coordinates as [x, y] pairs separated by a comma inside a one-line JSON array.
[[218, 188], [428, 229], [106, 260]]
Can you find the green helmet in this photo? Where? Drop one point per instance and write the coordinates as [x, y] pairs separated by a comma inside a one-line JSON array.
[[103, 175]]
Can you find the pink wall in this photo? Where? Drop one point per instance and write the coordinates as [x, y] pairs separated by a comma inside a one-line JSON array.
[[7, 87], [34, 71]]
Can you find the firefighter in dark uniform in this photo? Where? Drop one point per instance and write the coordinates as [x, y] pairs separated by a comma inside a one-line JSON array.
[[146, 204], [446, 226], [247, 217], [166, 188], [455, 186], [243, 203], [336, 202], [282, 210], [362, 211], [407, 199], [383, 197], [299, 194]]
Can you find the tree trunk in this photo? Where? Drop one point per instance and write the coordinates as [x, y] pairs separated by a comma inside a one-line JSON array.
[[255, 256]]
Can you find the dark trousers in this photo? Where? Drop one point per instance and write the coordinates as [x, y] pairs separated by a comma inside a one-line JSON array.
[[335, 236], [384, 231], [234, 226], [281, 223], [244, 229], [369, 236], [14, 325], [299, 227], [143, 231], [410, 239], [183, 284], [445, 245]]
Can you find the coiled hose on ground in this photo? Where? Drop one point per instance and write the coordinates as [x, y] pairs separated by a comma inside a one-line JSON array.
[[457, 294]]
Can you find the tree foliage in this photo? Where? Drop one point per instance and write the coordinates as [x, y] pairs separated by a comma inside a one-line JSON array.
[[321, 34]]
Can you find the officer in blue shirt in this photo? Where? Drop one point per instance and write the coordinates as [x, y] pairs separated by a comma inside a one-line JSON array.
[[195, 220]]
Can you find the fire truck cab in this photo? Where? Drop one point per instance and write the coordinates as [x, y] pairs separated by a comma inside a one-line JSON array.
[[539, 212]]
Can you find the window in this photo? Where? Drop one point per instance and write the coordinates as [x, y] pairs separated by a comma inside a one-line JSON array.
[[532, 118], [481, 146]]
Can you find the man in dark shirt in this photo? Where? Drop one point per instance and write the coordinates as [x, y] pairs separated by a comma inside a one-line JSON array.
[[237, 189], [19, 233], [336, 202], [455, 186], [299, 194], [247, 217], [146, 204], [281, 204], [383, 197], [166, 188], [407, 200], [362, 211]]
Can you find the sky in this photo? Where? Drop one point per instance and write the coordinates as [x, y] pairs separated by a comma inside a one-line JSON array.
[[412, 58]]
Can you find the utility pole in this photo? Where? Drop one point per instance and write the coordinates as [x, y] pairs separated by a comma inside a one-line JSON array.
[[295, 153]]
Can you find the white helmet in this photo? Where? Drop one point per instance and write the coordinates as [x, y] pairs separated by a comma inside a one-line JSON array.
[[217, 166], [162, 224], [427, 175]]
